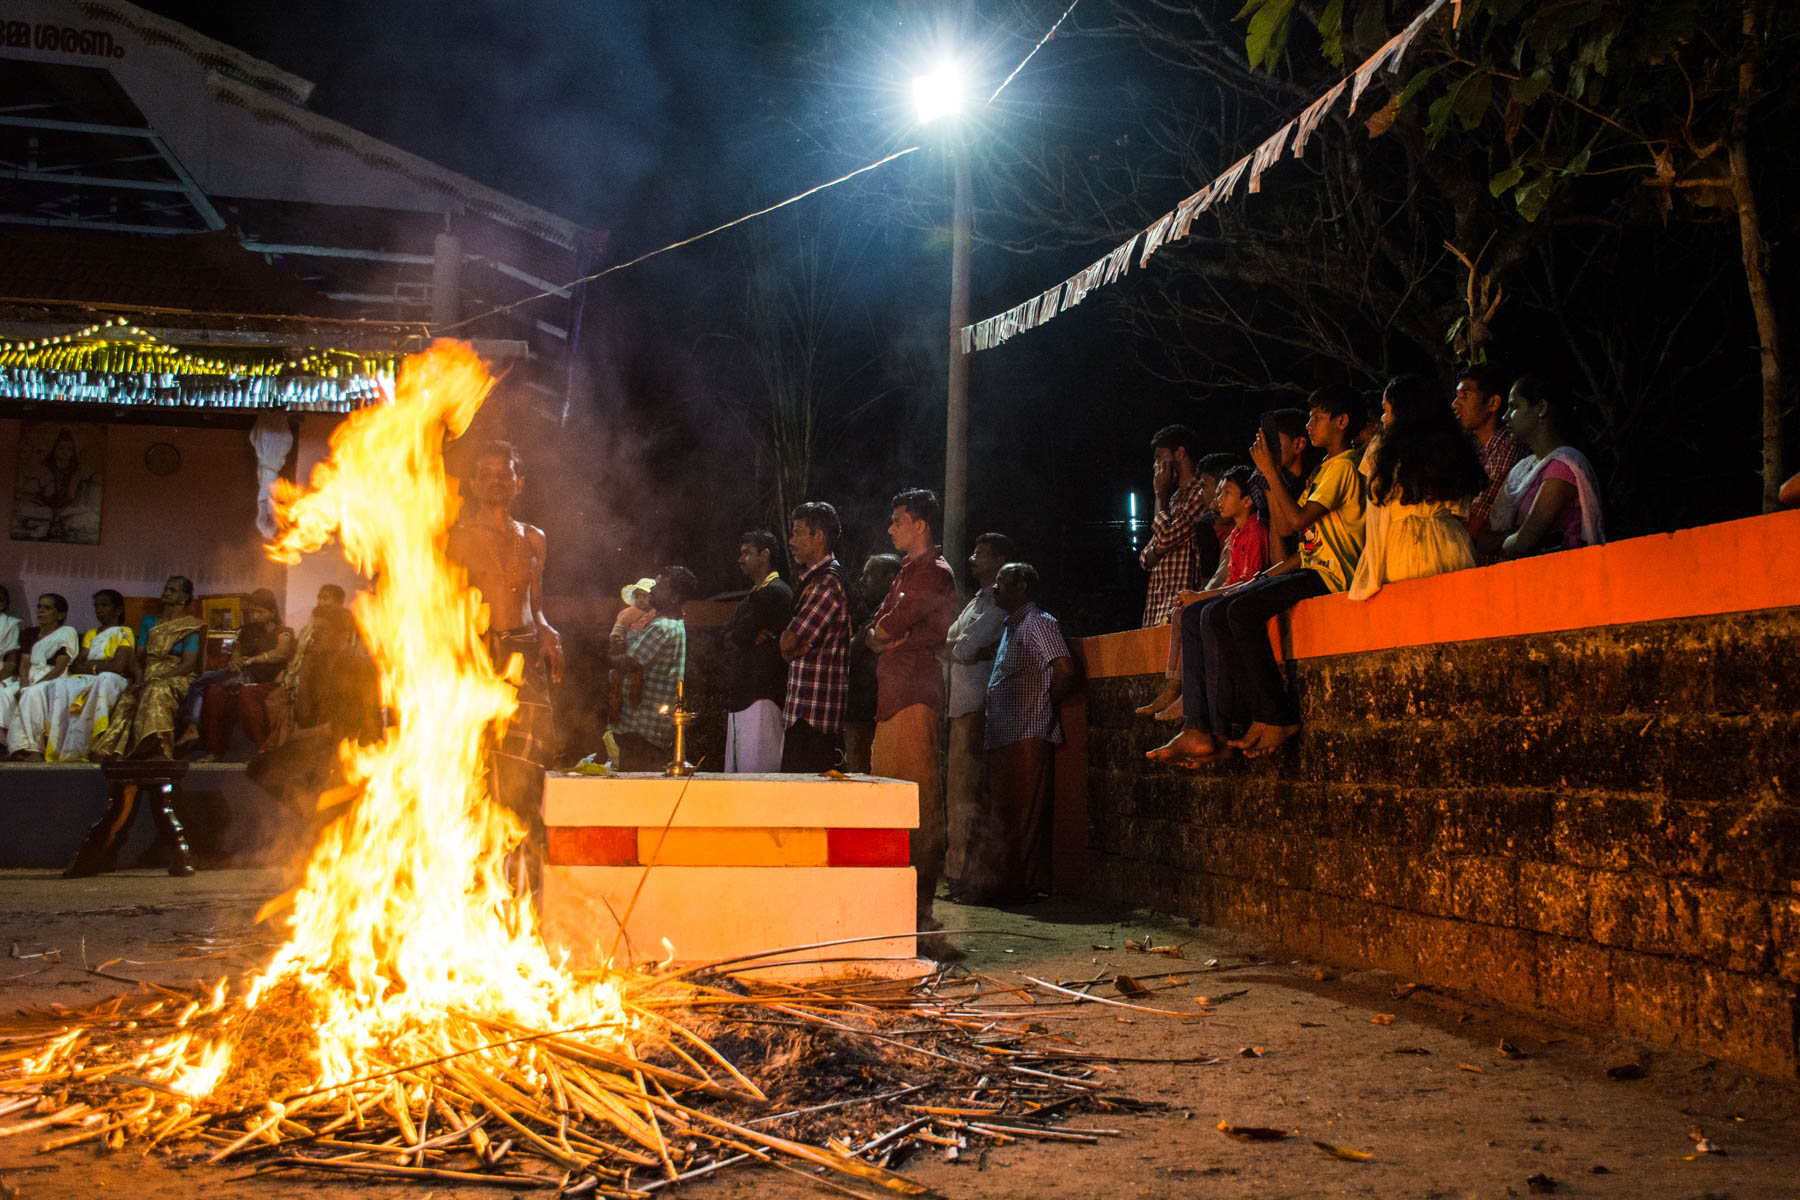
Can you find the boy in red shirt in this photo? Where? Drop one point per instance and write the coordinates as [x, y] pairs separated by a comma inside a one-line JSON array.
[[1243, 553]]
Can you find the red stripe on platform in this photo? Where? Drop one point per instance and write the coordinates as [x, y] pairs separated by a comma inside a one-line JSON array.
[[867, 848], [593, 845]]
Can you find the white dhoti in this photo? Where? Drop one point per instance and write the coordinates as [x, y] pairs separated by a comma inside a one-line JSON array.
[[26, 715], [753, 738], [80, 712], [9, 702]]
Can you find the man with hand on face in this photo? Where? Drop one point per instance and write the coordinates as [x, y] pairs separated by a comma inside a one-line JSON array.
[[1172, 555], [908, 633], [756, 682], [816, 644], [969, 648]]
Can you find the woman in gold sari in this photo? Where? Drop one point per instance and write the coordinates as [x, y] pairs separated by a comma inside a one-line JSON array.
[[143, 721]]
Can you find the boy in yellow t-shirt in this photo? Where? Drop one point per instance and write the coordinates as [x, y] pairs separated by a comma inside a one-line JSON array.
[[1229, 672]]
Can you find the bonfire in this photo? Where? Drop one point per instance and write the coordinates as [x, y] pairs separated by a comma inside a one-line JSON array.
[[414, 1025]]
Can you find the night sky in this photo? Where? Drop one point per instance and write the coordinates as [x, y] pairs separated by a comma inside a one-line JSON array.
[[657, 121]]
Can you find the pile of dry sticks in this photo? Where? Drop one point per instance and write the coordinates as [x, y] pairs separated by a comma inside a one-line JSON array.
[[840, 1082]]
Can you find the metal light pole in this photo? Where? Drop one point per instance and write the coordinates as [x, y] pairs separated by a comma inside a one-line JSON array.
[[956, 410], [938, 95]]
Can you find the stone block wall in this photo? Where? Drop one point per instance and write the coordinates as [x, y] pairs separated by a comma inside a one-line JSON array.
[[1601, 824]]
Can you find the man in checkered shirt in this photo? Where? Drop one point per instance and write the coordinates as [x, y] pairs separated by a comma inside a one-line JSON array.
[[644, 733], [816, 644], [1172, 556], [1480, 398]]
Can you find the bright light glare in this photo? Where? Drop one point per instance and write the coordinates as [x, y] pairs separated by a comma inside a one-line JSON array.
[[939, 94]]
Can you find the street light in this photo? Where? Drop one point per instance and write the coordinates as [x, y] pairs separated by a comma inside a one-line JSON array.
[[939, 94], [936, 96]]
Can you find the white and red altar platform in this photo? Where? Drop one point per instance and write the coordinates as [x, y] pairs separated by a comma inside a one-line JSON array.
[[717, 867]]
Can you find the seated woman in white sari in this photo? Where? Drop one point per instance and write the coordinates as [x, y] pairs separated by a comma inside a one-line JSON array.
[[1551, 499], [55, 648], [58, 720], [9, 643], [1423, 473]]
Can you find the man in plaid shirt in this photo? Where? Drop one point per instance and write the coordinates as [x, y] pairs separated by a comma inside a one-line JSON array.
[[816, 644], [1171, 556], [658, 653], [1480, 398]]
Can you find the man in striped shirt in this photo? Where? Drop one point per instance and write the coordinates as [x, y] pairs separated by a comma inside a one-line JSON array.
[[816, 644]]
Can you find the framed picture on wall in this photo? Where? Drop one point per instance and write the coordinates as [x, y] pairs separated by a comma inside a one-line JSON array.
[[59, 481], [222, 614]]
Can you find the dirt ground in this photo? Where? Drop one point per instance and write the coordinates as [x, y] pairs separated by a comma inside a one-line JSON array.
[[1332, 1068]]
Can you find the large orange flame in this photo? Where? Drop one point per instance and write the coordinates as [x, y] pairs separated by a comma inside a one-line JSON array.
[[405, 914]]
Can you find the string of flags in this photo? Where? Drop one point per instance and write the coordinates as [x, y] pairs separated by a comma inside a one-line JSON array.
[[1174, 225]]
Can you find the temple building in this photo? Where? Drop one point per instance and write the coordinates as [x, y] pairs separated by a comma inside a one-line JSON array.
[[199, 276]]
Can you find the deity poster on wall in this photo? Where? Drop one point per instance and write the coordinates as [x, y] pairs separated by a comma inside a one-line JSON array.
[[60, 477]]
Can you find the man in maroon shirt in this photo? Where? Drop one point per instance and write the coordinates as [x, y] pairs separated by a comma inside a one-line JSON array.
[[907, 633]]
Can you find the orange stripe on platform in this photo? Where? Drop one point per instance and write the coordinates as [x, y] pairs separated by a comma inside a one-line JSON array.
[[869, 848], [591, 846], [701, 847], [625, 846]]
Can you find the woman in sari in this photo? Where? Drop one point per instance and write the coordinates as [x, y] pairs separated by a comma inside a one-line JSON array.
[[143, 723], [58, 724], [1551, 499], [55, 648]]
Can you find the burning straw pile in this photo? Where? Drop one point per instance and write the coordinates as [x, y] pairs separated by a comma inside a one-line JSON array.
[[413, 1024], [850, 1080]]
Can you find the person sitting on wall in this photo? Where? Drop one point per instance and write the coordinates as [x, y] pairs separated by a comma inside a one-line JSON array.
[[1228, 667], [1295, 459], [1211, 564], [54, 648], [1551, 499], [1244, 552], [1172, 555], [168, 659], [59, 724], [1789, 494], [262, 651], [1479, 404], [644, 733], [1033, 673], [1422, 475]]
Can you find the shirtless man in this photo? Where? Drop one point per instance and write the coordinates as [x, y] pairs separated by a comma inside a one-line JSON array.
[[505, 561]]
